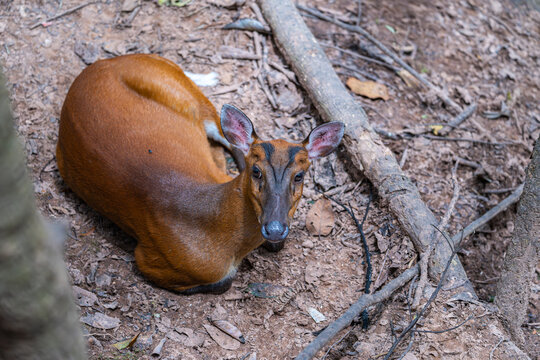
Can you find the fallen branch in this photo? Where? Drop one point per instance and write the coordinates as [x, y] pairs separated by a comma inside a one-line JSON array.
[[55, 17], [455, 122], [440, 93], [484, 219], [363, 303], [366, 151]]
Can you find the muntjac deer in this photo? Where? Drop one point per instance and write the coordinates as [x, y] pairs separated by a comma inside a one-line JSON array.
[[133, 145]]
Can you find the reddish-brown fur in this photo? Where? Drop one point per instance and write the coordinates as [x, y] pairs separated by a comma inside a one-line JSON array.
[[132, 145]]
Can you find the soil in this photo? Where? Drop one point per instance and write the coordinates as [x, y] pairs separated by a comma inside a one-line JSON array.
[[486, 52]]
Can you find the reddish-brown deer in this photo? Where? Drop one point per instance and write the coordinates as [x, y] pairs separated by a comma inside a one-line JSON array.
[[133, 145]]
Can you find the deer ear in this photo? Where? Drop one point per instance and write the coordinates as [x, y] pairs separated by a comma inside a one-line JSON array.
[[237, 128], [324, 139]]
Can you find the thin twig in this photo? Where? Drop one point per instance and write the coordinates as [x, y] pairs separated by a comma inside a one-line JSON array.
[[442, 225], [413, 323], [498, 191], [445, 330], [455, 122], [469, 163], [363, 73], [484, 219], [408, 348], [288, 73], [363, 303], [387, 51], [132, 16], [337, 342], [67, 12], [493, 350], [432, 137], [359, 13], [45, 166], [227, 89], [366, 58], [403, 158]]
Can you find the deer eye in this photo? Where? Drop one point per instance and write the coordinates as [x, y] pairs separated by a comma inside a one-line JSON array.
[[299, 177], [256, 172]]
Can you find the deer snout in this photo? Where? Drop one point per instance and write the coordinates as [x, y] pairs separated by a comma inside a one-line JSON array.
[[275, 231]]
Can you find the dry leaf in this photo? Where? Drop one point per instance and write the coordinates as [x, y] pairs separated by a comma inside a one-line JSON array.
[[223, 340], [126, 343], [100, 321], [382, 241], [84, 297], [435, 129], [370, 89], [407, 77], [192, 339], [320, 218]]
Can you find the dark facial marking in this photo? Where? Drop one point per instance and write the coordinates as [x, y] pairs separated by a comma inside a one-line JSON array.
[[269, 150], [293, 150]]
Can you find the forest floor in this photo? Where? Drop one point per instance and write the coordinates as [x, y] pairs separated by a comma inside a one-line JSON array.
[[484, 52]]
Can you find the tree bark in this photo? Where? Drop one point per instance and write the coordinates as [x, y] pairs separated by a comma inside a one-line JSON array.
[[38, 318], [514, 286], [365, 149]]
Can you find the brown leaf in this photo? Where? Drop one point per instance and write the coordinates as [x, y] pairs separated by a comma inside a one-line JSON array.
[[320, 218], [370, 89], [126, 344]]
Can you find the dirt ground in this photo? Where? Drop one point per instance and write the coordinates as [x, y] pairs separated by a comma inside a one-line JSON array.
[[487, 52]]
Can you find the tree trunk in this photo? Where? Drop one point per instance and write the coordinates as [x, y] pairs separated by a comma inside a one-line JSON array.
[[514, 286], [365, 149], [38, 318]]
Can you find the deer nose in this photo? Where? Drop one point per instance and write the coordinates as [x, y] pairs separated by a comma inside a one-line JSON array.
[[275, 231]]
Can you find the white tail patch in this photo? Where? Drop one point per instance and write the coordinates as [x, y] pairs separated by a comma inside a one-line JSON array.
[[210, 79], [212, 132]]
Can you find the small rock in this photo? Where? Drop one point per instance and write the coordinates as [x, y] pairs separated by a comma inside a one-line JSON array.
[[308, 244], [88, 52], [76, 276], [143, 342], [93, 341], [316, 315], [103, 280], [112, 305], [130, 5]]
